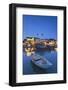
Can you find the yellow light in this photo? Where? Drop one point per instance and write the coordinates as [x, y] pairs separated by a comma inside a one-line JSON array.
[[32, 49], [29, 45], [28, 53]]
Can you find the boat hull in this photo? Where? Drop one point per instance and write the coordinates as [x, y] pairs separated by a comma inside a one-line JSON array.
[[41, 63]]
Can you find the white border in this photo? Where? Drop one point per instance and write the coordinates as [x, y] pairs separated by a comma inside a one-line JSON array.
[[20, 78]]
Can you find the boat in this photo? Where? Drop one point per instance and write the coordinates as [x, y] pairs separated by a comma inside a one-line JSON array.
[[40, 62]]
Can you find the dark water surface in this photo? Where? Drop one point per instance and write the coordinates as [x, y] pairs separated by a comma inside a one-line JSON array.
[[30, 68]]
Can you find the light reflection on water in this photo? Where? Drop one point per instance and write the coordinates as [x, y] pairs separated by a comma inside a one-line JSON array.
[[30, 68]]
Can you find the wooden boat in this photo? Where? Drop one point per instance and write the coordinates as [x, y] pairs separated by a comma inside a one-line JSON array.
[[40, 62]]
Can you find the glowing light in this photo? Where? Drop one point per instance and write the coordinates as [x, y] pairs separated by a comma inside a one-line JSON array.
[[29, 45], [28, 53]]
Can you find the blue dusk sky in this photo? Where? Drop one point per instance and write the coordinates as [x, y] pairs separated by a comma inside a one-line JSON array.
[[44, 27]]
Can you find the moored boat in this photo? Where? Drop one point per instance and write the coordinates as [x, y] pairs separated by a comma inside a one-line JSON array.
[[40, 62]]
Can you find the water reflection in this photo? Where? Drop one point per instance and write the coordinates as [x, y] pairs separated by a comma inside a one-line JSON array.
[[29, 51], [30, 68]]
